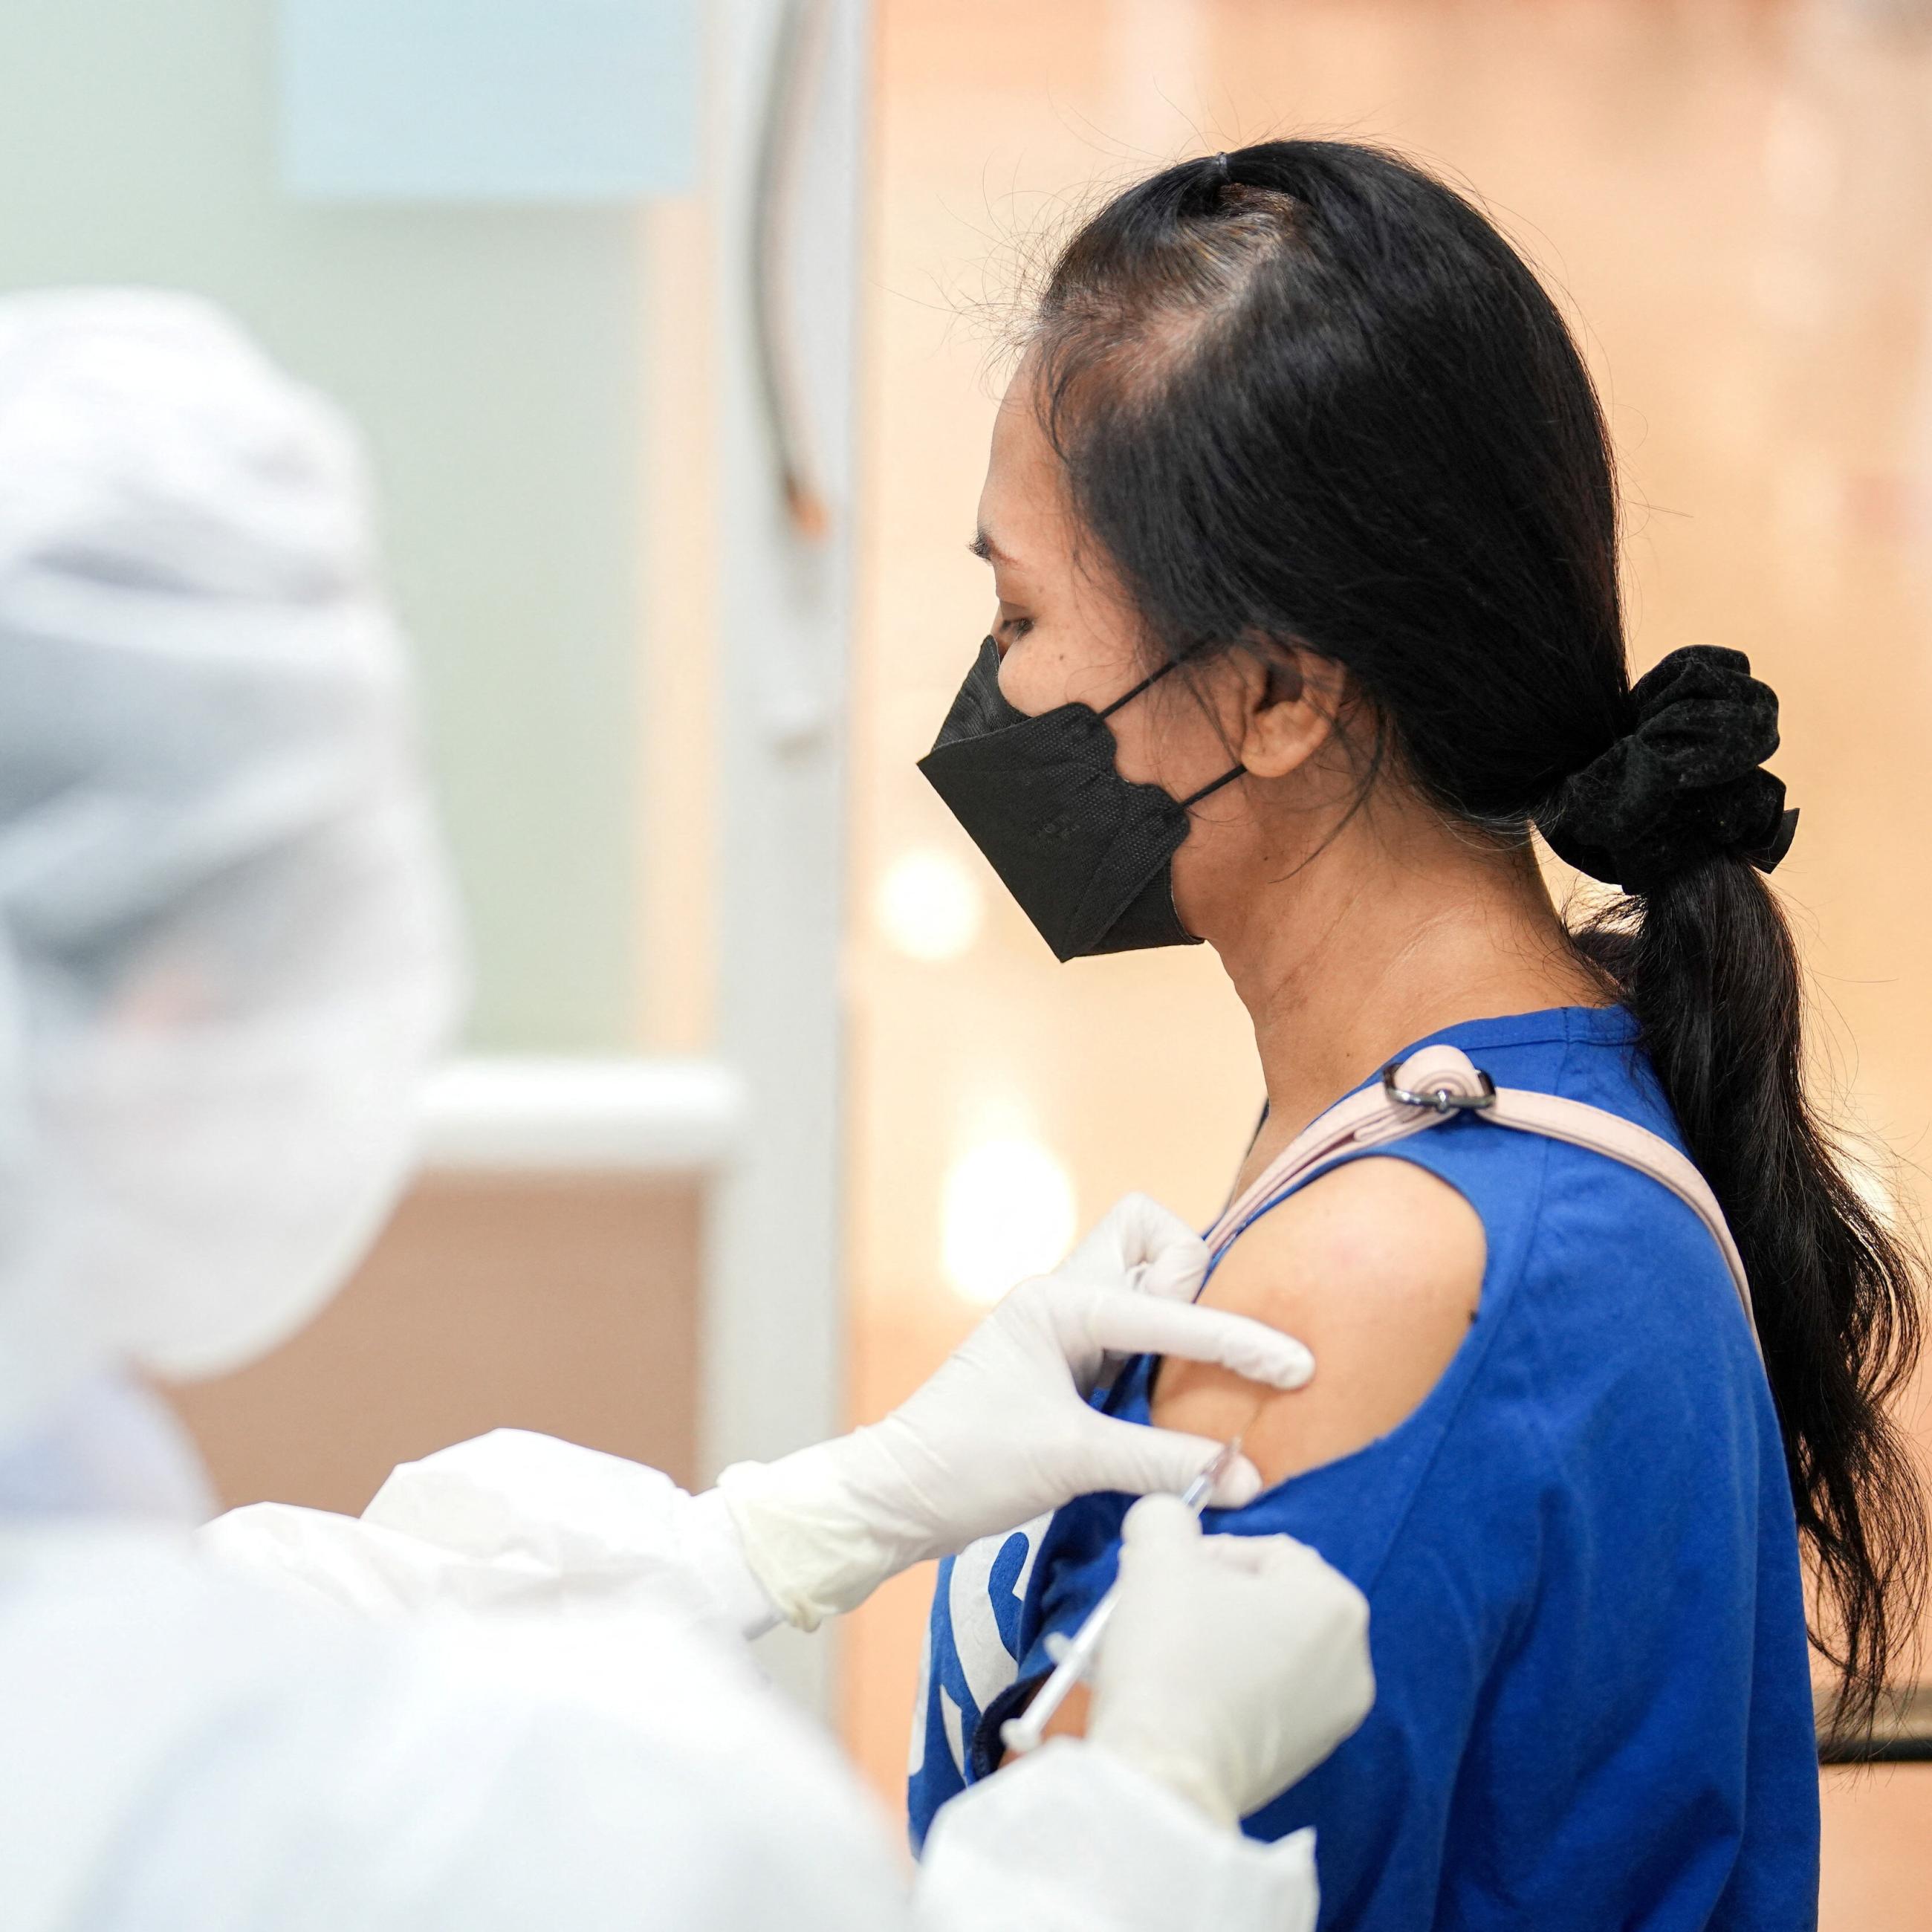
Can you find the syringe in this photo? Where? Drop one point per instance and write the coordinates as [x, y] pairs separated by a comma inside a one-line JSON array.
[[1076, 1654]]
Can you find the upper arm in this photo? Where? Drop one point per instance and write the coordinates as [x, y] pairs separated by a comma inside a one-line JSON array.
[[1378, 1267]]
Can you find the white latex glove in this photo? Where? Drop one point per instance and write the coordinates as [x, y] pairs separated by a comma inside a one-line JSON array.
[[1233, 1665], [1002, 1432]]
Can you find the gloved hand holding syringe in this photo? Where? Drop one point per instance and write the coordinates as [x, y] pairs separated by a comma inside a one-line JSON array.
[[1073, 1657], [1230, 1665]]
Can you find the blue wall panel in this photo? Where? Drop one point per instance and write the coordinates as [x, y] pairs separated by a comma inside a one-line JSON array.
[[488, 100]]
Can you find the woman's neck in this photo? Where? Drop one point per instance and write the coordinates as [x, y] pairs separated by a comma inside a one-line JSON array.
[[1381, 939]]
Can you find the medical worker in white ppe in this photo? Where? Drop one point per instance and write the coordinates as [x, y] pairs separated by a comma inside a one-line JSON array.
[[225, 956]]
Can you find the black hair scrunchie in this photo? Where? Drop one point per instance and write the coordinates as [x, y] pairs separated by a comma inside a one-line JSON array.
[[1686, 784]]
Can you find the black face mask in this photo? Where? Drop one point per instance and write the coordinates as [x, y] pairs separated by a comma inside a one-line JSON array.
[[1088, 854]]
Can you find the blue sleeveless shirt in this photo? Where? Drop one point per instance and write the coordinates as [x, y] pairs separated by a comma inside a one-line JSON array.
[[1593, 1703]]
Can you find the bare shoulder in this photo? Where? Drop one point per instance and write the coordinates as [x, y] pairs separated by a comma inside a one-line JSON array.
[[1378, 1267]]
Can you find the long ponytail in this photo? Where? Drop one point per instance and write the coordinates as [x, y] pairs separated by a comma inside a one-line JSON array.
[[1705, 961]]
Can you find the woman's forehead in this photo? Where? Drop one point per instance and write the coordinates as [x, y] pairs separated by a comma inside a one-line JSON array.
[[1023, 511]]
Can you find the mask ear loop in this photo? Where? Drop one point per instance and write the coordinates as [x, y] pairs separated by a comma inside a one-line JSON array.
[[1127, 698], [1193, 798]]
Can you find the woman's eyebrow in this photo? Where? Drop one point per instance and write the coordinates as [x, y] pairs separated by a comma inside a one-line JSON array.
[[983, 547]]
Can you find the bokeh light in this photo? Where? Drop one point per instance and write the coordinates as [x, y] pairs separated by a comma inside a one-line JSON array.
[[1008, 1212], [929, 906]]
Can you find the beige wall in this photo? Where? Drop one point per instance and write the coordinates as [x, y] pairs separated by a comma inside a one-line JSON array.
[[568, 1305]]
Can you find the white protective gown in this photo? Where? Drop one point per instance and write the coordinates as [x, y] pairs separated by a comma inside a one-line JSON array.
[[227, 955], [189, 1747]]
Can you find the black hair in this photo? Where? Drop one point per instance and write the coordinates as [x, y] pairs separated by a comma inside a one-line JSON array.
[[1305, 393]]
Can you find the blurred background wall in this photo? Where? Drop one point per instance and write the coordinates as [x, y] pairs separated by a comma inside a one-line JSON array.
[[1733, 200], [494, 356]]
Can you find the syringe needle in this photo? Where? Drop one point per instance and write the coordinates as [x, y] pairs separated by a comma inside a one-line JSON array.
[[1024, 1732]]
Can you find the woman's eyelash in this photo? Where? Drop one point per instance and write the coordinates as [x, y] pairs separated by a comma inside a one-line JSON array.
[[1015, 627]]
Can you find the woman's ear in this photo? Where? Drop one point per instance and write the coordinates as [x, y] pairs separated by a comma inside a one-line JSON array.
[[1289, 708]]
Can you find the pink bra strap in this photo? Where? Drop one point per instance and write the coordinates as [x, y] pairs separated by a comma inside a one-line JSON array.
[[1440, 1082]]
